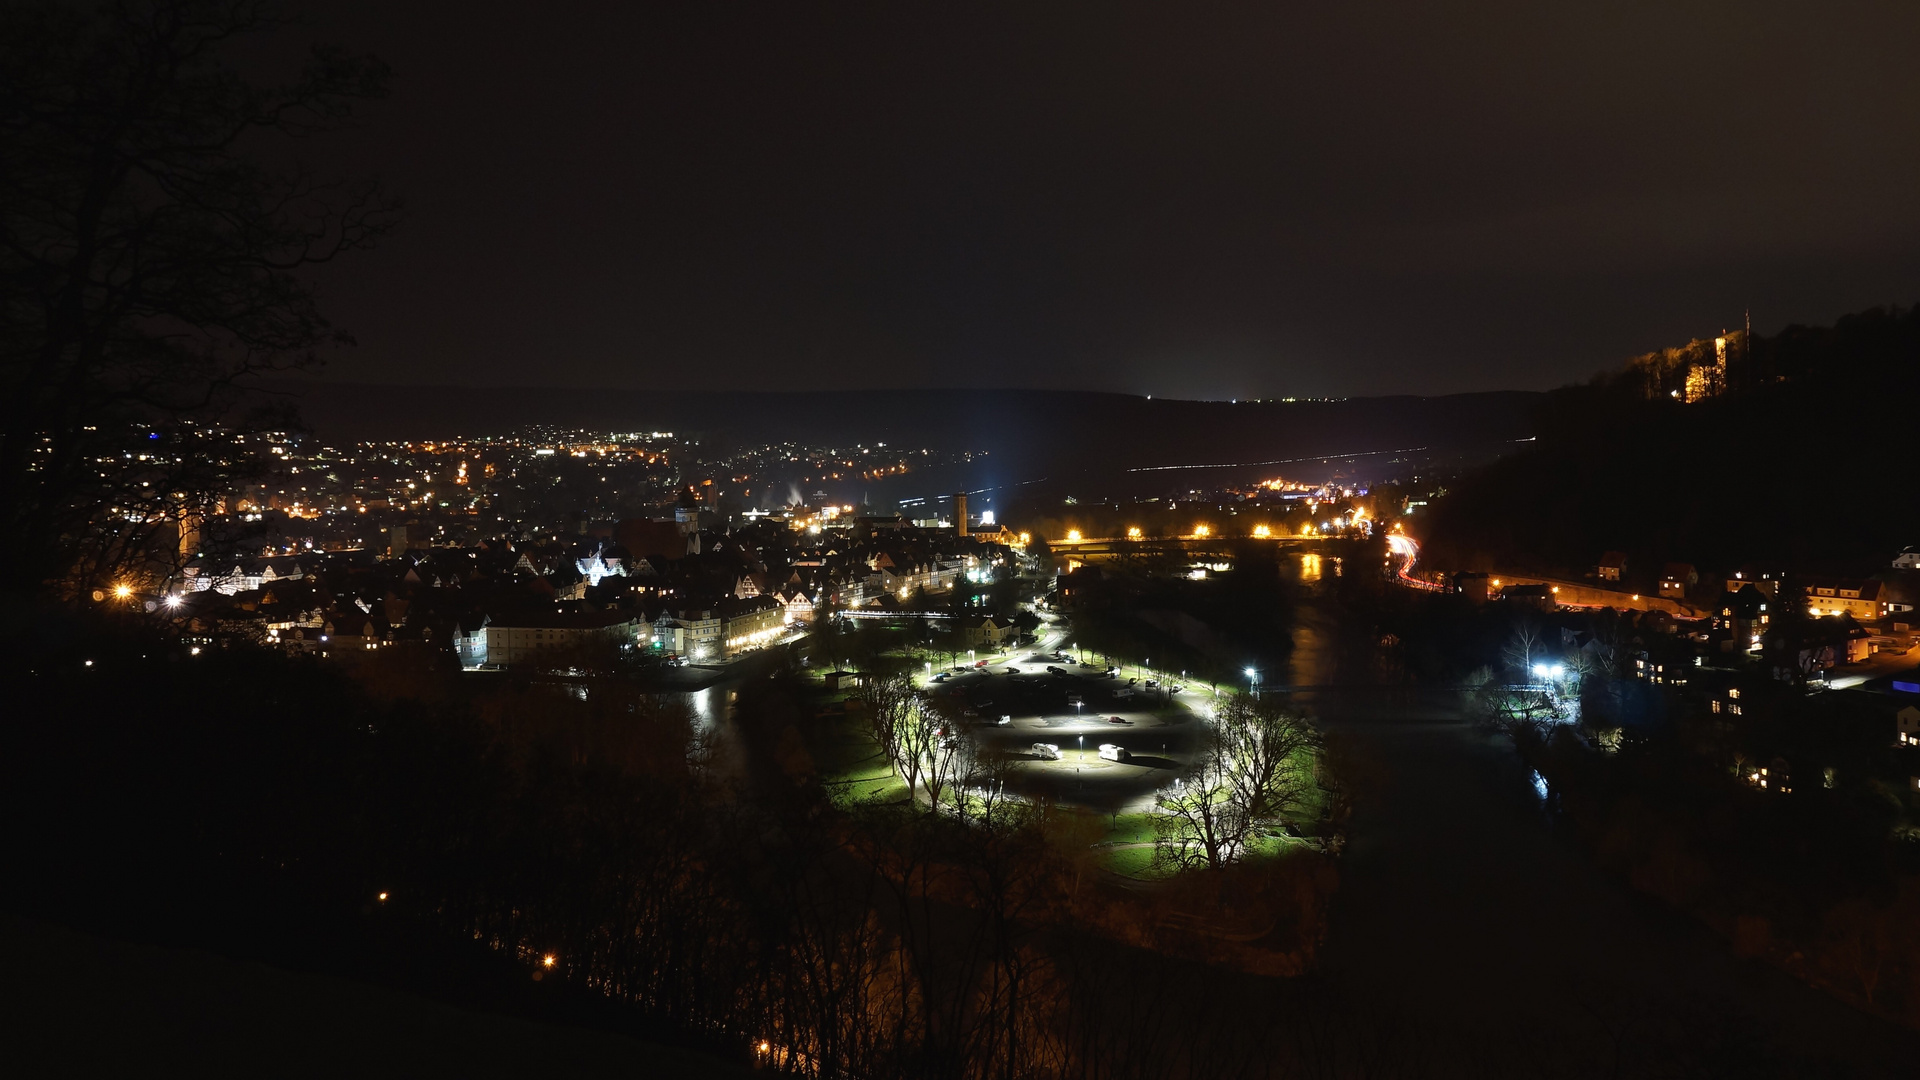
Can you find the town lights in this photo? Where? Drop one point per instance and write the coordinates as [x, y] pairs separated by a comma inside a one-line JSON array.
[[1262, 531], [1133, 532], [1200, 530], [1073, 536]]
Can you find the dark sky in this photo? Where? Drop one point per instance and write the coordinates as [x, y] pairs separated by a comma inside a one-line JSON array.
[[1185, 200]]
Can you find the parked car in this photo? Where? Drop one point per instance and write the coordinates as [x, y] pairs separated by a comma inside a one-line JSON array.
[[1110, 752], [1046, 751], [1118, 720], [1003, 721], [942, 677]]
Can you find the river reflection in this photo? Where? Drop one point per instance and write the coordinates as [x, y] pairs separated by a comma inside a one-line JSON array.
[[1309, 567], [712, 707]]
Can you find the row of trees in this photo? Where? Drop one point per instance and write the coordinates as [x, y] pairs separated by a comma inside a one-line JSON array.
[[1257, 759]]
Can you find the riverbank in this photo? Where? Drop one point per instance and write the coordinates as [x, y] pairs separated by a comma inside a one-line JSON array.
[[1501, 942]]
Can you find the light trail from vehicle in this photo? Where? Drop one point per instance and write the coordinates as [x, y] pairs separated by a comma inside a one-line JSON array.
[[1408, 549]]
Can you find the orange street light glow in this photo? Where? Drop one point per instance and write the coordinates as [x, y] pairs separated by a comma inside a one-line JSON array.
[[547, 960]]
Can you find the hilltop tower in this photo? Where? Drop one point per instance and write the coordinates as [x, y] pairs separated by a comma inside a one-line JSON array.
[[960, 512]]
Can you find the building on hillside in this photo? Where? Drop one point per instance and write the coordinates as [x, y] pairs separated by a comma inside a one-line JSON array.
[[1745, 618], [1676, 579], [1907, 720], [1767, 581], [1908, 559], [514, 640], [1705, 380], [1471, 584], [1612, 566], [1828, 597], [1536, 596]]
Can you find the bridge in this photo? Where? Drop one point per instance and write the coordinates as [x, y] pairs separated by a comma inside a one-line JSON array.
[[886, 613], [1113, 547]]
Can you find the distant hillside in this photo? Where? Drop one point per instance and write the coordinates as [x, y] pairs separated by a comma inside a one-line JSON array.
[[1029, 434], [1800, 455]]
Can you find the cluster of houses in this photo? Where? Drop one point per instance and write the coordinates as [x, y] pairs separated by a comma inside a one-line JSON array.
[[1800, 625], [681, 587]]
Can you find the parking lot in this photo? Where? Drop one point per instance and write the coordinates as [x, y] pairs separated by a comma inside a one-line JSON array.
[[1154, 726]]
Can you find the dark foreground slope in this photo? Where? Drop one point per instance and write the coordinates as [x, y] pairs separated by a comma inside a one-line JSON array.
[[89, 1005], [1806, 462]]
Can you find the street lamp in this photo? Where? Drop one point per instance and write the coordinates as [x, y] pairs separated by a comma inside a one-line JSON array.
[[1253, 680]]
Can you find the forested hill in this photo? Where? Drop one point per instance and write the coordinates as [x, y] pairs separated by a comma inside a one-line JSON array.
[[1805, 459]]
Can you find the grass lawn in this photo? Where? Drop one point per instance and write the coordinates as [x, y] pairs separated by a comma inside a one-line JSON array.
[[1134, 862], [1130, 829]]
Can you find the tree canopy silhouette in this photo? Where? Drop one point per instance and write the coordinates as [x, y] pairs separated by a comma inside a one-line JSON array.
[[152, 234]]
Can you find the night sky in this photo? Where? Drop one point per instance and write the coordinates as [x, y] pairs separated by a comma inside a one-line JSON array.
[[1183, 200]]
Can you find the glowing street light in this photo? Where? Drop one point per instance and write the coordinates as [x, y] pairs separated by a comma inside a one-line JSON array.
[[121, 592], [1200, 531], [1133, 532], [1073, 536]]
